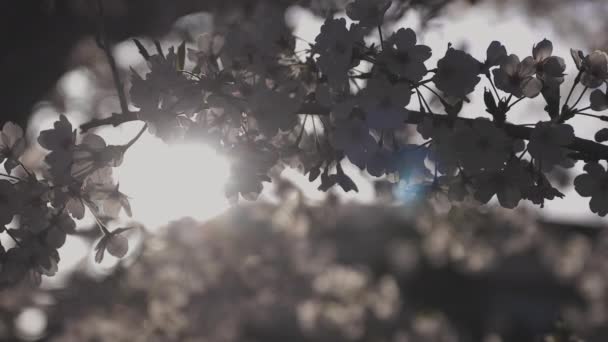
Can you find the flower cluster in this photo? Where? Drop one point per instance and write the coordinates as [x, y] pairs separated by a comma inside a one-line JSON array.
[[39, 212], [251, 95]]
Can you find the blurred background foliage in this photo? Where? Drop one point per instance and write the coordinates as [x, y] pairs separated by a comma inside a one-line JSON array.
[[300, 272], [335, 272]]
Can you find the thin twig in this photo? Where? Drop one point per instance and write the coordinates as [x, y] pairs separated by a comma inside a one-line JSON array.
[[493, 87], [574, 84], [381, 37], [580, 97], [139, 134], [8, 231], [105, 45], [115, 120]]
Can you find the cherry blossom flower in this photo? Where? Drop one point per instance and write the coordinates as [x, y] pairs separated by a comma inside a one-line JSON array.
[[369, 13], [93, 154], [495, 54], [506, 184], [483, 146], [353, 138], [403, 57], [541, 190], [12, 145], [60, 225], [443, 150], [335, 44], [381, 162], [114, 242], [594, 184], [60, 140], [274, 110], [384, 103], [341, 103], [72, 198], [257, 42], [594, 69], [457, 73], [547, 143], [60, 137], [517, 78], [100, 188], [599, 100], [549, 69]]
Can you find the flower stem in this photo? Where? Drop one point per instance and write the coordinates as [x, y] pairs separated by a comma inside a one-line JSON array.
[[574, 84], [516, 102], [139, 134], [105, 46], [8, 231], [493, 87], [381, 37], [580, 97]]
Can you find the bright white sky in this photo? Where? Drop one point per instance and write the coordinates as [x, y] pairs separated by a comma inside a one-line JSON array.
[[170, 182]]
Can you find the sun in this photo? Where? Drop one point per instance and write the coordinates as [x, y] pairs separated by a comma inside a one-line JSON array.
[[169, 181]]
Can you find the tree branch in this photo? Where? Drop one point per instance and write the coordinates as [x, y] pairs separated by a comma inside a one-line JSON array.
[[585, 149], [105, 45], [115, 120]]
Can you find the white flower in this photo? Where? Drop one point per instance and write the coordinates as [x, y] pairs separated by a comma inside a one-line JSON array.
[[352, 137], [547, 143], [405, 59], [12, 145], [483, 146], [457, 73], [594, 69], [517, 78], [369, 13], [384, 103], [594, 184]]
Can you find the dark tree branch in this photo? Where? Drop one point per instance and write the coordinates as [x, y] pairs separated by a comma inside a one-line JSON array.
[[115, 120], [586, 149], [104, 43]]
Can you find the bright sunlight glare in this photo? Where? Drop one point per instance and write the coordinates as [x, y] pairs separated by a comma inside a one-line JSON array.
[[168, 182]]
